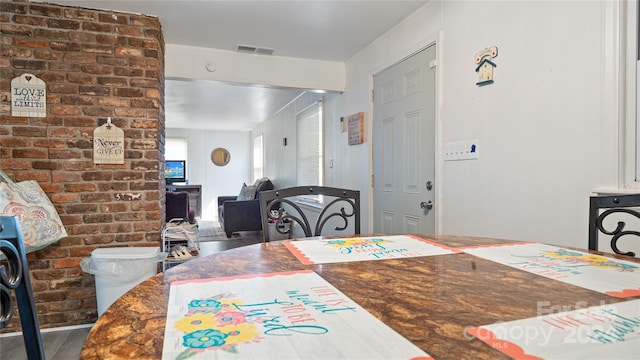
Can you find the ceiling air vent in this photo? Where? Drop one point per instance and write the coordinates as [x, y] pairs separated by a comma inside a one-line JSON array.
[[248, 49]]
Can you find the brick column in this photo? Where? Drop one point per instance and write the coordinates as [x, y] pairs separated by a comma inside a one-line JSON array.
[[96, 64]]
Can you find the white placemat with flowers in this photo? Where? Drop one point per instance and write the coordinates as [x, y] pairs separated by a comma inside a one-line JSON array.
[[608, 331], [323, 251], [614, 277], [287, 315]]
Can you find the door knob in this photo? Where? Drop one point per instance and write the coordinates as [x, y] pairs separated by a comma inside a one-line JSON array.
[[426, 204]]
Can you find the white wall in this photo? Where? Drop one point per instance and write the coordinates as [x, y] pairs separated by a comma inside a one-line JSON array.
[[216, 180], [546, 135], [279, 160], [547, 128], [189, 62], [351, 163], [538, 125]]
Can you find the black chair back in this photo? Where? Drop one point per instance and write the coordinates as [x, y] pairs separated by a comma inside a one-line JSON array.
[[14, 275], [615, 204], [282, 207]]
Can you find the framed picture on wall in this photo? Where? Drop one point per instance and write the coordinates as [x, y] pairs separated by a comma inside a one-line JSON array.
[[355, 125]]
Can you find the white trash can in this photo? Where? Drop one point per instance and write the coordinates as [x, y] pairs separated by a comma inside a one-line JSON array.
[[119, 269]]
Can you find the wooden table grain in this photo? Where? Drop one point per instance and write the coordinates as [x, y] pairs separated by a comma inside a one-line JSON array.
[[429, 300]]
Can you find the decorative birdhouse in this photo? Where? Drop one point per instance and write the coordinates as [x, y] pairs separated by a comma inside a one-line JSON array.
[[485, 65]]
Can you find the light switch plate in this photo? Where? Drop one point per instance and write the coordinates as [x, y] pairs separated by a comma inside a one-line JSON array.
[[461, 150]]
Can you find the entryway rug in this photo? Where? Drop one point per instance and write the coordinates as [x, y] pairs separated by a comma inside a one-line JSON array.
[[210, 231]]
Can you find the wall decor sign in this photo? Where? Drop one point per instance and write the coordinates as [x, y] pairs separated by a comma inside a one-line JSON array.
[[28, 96], [485, 65], [220, 156], [108, 144], [355, 124]]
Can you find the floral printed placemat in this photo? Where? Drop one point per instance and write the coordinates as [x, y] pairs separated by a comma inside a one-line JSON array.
[[609, 331], [322, 251], [617, 278], [288, 315]]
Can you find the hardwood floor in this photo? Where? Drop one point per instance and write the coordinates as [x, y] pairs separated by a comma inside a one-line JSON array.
[[58, 345], [63, 344], [241, 239]]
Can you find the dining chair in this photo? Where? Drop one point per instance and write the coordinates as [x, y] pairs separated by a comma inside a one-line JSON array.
[[613, 204], [287, 208], [177, 207], [14, 275]]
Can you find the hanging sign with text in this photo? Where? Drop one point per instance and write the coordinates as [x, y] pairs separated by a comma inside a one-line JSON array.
[[28, 96], [108, 144], [355, 125]]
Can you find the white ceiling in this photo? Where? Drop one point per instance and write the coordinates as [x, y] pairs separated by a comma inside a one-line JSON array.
[[228, 106], [332, 30]]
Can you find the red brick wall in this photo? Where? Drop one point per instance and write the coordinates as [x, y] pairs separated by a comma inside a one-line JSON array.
[[95, 64]]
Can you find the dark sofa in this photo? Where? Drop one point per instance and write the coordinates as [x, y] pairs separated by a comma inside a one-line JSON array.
[[242, 212]]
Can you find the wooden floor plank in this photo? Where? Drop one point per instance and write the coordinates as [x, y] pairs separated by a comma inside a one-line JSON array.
[[58, 345]]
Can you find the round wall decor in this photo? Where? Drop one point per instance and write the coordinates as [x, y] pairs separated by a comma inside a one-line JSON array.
[[220, 156]]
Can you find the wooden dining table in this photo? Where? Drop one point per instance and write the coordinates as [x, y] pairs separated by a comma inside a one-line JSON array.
[[431, 300]]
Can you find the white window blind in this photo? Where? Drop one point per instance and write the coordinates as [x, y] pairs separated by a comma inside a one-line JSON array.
[[309, 145], [176, 149], [258, 168]]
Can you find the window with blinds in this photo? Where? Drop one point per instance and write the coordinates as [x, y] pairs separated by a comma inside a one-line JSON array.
[[309, 146], [258, 151], [176, 148]]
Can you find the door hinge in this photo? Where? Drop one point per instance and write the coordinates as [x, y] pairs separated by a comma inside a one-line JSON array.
[[371, 180], [433, 63], [372, 96]]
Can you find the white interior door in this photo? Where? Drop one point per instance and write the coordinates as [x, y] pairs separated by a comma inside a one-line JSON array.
[[404, 146]]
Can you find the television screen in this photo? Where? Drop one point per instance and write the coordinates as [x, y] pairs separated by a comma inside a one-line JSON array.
[[175, 171]]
